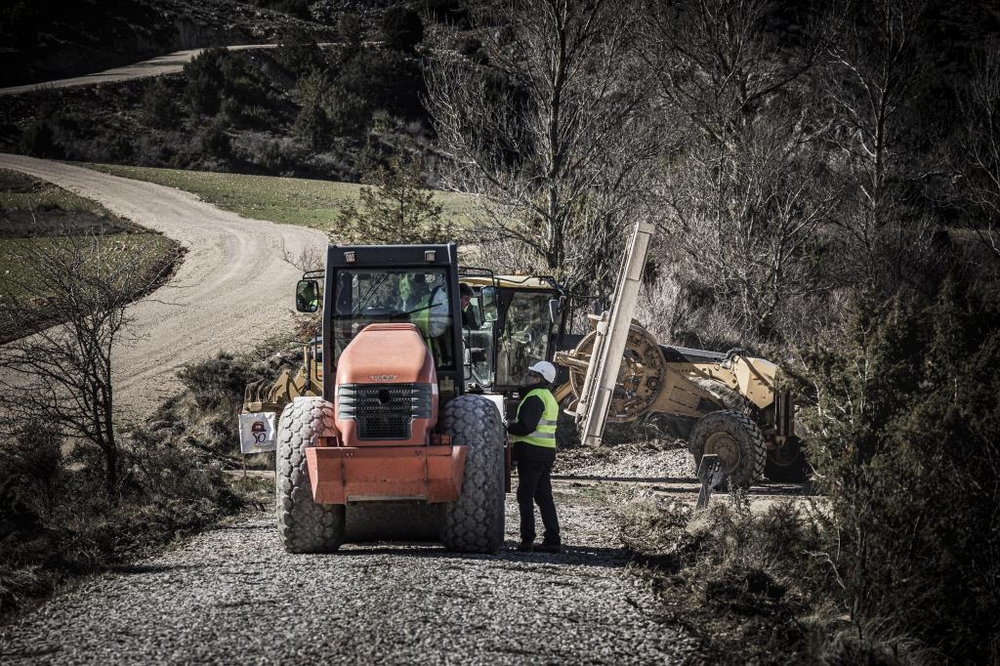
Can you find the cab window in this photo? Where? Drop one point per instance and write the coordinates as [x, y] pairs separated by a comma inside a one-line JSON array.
[[418, 296]]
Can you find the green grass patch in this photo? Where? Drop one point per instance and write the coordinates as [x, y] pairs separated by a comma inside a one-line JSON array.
[[32, 207], [298, 201], [28, 303], [38, 219], [18, 269], [49, 197]]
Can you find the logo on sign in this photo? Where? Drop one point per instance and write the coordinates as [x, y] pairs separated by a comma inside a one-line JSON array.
[[259, 431]]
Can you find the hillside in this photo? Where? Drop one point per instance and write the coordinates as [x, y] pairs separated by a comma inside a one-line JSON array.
[[264, 111], [50, 39]]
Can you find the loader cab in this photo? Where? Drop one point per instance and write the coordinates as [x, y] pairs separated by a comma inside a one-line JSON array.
[[519, 321]]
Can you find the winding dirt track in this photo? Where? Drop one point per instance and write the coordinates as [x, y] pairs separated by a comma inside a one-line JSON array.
[[170, 63], [232, 290]]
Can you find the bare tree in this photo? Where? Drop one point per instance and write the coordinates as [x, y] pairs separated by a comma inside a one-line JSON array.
[[61, 377], [743, 183], [548, 133], [874, 69], [981, 145]]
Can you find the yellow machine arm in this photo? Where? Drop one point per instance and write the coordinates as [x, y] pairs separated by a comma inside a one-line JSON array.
[[264, 396]]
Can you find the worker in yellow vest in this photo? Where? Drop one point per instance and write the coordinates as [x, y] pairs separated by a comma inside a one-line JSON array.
[[533, 437], [469, 319]]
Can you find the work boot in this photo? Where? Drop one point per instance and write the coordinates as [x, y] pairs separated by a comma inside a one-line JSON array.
[[525, 547], [548, 548]]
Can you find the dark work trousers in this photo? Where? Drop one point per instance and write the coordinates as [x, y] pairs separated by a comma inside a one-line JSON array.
[[534, 486]]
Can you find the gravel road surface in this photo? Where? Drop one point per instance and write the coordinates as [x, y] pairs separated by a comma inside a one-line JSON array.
[[232, 595], [232, 290]]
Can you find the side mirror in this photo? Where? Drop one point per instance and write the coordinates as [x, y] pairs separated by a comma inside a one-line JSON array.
[[307, 296], [554, 311]]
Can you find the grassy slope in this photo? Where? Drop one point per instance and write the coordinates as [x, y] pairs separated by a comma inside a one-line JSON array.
[[304, 202], [17, 267], [45, 198], [33, 212]]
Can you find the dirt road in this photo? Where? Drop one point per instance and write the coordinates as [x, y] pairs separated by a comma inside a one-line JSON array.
[[165, 64], [232, 290]]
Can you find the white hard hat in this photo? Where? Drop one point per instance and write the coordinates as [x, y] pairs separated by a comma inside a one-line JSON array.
[[546, 370]]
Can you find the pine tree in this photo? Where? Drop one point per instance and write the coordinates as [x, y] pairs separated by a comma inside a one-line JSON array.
[[394, 207]]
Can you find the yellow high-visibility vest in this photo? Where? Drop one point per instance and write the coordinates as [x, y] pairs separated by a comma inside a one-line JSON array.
[[545, 432]]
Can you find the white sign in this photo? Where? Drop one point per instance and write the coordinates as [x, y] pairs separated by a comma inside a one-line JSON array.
[[257, 432]]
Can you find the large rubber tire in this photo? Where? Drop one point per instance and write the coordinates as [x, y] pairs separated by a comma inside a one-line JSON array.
[[738, 442], [303, 525], [788, 464], [475, 522]]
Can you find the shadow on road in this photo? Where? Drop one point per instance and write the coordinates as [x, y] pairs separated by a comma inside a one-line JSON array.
[[689, 484], [589, 556], [139, 569]]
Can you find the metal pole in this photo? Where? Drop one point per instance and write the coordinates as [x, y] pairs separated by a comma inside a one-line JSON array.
[[612, 338]]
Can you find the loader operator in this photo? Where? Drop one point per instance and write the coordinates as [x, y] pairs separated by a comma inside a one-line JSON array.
[[412, 289], [469, 319], [534, 450]]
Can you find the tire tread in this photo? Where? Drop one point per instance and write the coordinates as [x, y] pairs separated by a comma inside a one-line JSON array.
[[303, 525], [475, 522]]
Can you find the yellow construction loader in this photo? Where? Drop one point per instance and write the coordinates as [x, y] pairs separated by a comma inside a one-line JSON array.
[[618, 372], [738, 409]]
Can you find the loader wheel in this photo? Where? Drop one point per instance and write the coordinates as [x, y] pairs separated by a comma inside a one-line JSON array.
[[640, 376], [474, 523], [303, 525], [788, 463], [738, 442]]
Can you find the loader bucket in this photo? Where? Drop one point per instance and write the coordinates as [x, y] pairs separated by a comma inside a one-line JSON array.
[[262, 396]]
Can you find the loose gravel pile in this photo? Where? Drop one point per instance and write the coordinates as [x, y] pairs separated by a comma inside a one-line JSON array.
[[650, 461], [233, 595]]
